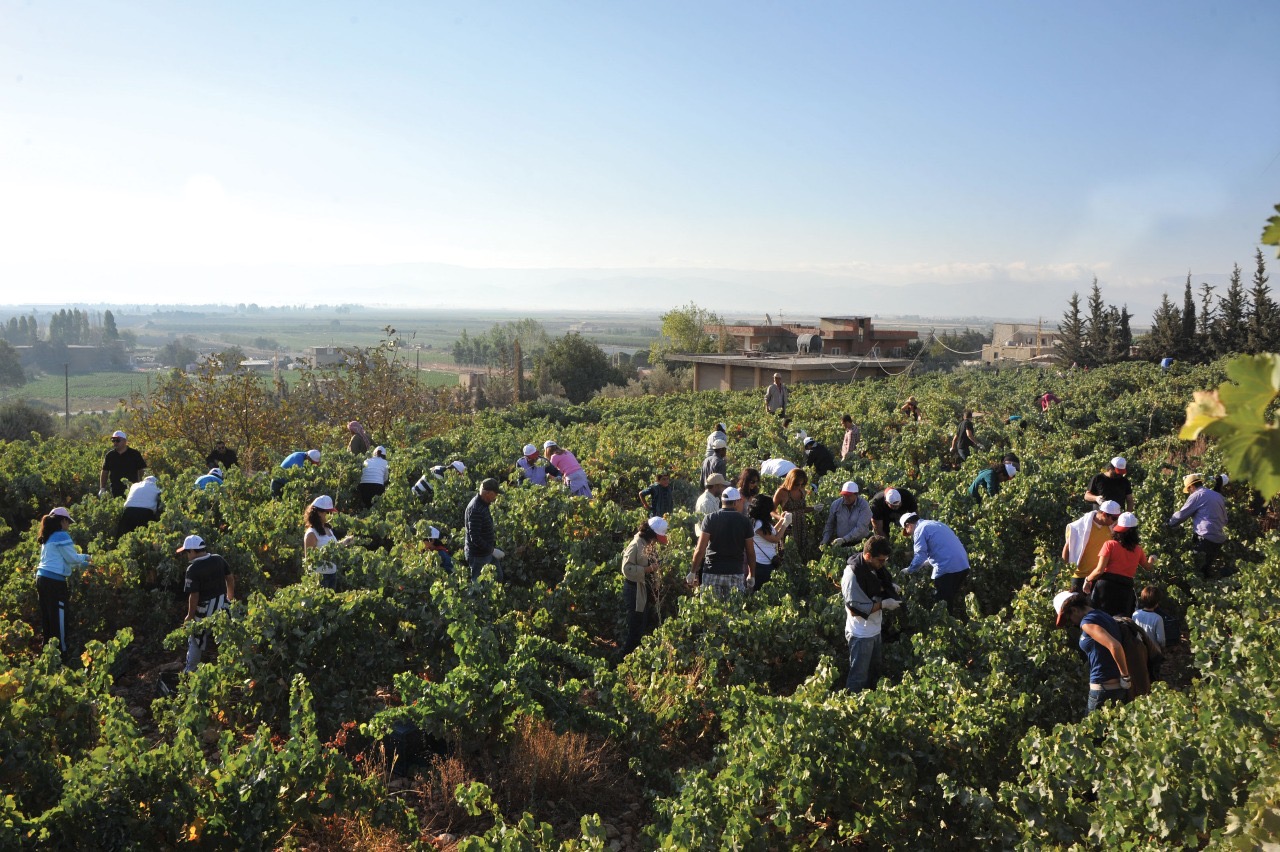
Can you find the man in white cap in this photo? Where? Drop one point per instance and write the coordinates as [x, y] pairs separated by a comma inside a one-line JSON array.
[[213, 477], [209, 585], [709, 500], [121, 466], [775, 397], [849, 520], [141, 506], [718, 434], [888, 506], [532, 468], [1112, 484], [989, 479], [936, 544], [726, 538], [1085, 537], [715, 463]]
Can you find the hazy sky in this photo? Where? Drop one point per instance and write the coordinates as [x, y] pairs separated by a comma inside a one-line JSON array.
[[305, 152]]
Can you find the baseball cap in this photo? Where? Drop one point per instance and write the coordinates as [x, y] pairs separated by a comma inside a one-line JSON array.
[[314, 455], [908, 518], [491, 484], [153, 481], [191, 542], [119, 434], [546, 445], [849, 487], [458, 466], [1223, 478], [530, 450], [720, 427], [215, 471], [892, 497], [1110, 507], [660, 527], [1119, 463], [324, 503], [1060, 604], [380, 451], [1127, 521], [719, 444], [716, 479], [62, 513], [730, 494], [1010, 469], [808, 442], [433, 534]]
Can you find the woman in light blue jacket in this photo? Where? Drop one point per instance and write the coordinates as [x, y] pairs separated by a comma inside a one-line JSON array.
[[58, 555]]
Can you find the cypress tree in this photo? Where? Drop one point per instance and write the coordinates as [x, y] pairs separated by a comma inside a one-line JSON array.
[[1204, 324], [1166, 332], [1097, 335], [1230, 328], [1262, 333], [1190, 352], [1071, 340]]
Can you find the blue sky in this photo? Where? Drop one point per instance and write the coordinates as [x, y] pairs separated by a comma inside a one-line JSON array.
[[822, 156]]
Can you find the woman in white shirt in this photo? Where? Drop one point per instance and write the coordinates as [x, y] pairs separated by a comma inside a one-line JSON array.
[[318, 535], [374, 477], [768, 539]]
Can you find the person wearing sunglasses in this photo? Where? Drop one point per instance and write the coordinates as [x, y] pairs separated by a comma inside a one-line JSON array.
[[121, 467]]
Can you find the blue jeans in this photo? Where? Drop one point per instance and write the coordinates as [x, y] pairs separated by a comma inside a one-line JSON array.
[[477, 563], [1098, 697], [947, 586], [864, 653]]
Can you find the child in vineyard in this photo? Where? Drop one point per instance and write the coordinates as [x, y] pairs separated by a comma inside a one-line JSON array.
[[768, 537], [1152, 623], [657, 498], [58, 556], [638, 564], [319, 535]]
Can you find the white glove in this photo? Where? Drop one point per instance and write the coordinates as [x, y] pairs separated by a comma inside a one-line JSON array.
[[890, 603], [498, 554], [1125, 683], [750, 583], [897, 589], [691, 578], [102, 492]]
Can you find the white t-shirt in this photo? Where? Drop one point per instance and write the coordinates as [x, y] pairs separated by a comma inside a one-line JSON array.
[[375, 470], [766, 551], [776, 467], [143, 495]]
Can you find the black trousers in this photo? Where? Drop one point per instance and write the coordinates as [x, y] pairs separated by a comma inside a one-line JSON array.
[[55, 612], [134, 518], [638, 623], [1114, 595], [369, 490], [1209, 551], [947, 588]]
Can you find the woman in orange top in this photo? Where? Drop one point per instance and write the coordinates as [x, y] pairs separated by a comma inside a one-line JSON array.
[[1111, 583]]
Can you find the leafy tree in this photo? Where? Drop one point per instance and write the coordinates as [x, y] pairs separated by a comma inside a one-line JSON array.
[[19, 418], [1230, 329], [109, 331], [11, 374], [1262, 326], [685, 330], [1071, 335], [178, 353], [231, 357], [579, 366], [1188, 350], [1165, 338]]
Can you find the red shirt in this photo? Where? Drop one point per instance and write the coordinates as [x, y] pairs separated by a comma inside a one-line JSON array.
[[1121, 561]]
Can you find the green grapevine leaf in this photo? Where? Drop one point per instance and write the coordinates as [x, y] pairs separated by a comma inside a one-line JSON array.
[[1257, 380], [1256, 455], [1271, 233], [1204, 411]]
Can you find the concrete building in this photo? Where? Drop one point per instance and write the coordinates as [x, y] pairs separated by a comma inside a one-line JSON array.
[[840, 336], [324, 356], [747, 372], [1017, 344]]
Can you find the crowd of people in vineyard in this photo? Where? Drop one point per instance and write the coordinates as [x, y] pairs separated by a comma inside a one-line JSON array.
[[740, 533]]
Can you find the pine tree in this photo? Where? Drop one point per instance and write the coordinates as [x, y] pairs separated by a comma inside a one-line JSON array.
[[1204, 322], [1230, 329], [1124, 335], [1262, 332], [1071, 339], [1098, 331], [1165, 338], [1190, 352]]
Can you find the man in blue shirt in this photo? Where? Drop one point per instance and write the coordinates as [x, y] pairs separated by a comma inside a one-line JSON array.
[[293, 460], [936, 544], [657, 498], [213, 477], [1208, 513]]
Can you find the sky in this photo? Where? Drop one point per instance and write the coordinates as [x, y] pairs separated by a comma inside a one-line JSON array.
[[931, 158]]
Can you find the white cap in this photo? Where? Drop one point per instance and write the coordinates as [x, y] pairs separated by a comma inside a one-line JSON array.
[[192, 542], [314, 455], [808, 441], [1110, 507], [892, 497], [730, 494], [720, 427], [433, 533], [458, 466], [324, 502], [849, 487], [215, 471], [719, 444], [153, 481], [660, 527], [380, 451], [1119, 463], [119, 434], [530, 450], [1223, 478], [908, 518], [1127, 521], [61, 513], [1010, 469], [546, 445], [1060, 600]]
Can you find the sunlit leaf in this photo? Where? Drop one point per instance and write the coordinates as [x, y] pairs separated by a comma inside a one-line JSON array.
[[1257, 380], [1255, 454], [1205, 410]]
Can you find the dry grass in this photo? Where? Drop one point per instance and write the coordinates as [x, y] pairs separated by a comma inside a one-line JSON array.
[[349, 832], [543, 765], [438, 809]]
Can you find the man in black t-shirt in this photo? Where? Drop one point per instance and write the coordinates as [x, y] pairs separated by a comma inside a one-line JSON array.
[[121, 467], [724, 547], [209, 586], [888, 506], [1112, 484], [222, 457], [818, 457]]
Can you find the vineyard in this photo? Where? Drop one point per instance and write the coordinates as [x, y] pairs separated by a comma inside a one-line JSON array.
[[414, 708]]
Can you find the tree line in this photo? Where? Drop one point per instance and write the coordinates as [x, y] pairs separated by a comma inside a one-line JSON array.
[[71, 327], [1206, 326]]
